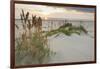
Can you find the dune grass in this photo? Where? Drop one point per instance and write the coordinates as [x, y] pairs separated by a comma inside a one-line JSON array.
[[68, 29], [31, 47]]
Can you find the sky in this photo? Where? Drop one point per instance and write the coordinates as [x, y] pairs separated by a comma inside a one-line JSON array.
[[47, 12]]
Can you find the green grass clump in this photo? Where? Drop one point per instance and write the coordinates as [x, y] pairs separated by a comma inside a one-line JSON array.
[[68, 29]]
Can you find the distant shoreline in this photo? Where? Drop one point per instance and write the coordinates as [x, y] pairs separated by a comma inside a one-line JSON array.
[[63, 20]]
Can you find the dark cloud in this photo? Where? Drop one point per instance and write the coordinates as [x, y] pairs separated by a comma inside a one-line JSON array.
[[90, 10]]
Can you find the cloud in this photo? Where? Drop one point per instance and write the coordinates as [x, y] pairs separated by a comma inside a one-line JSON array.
[[89, 10], [55, 11]]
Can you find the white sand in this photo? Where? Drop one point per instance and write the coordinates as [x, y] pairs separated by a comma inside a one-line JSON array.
[[73, 48]]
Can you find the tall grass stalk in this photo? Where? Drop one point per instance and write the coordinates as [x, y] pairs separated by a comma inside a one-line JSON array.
[[31, 46]]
